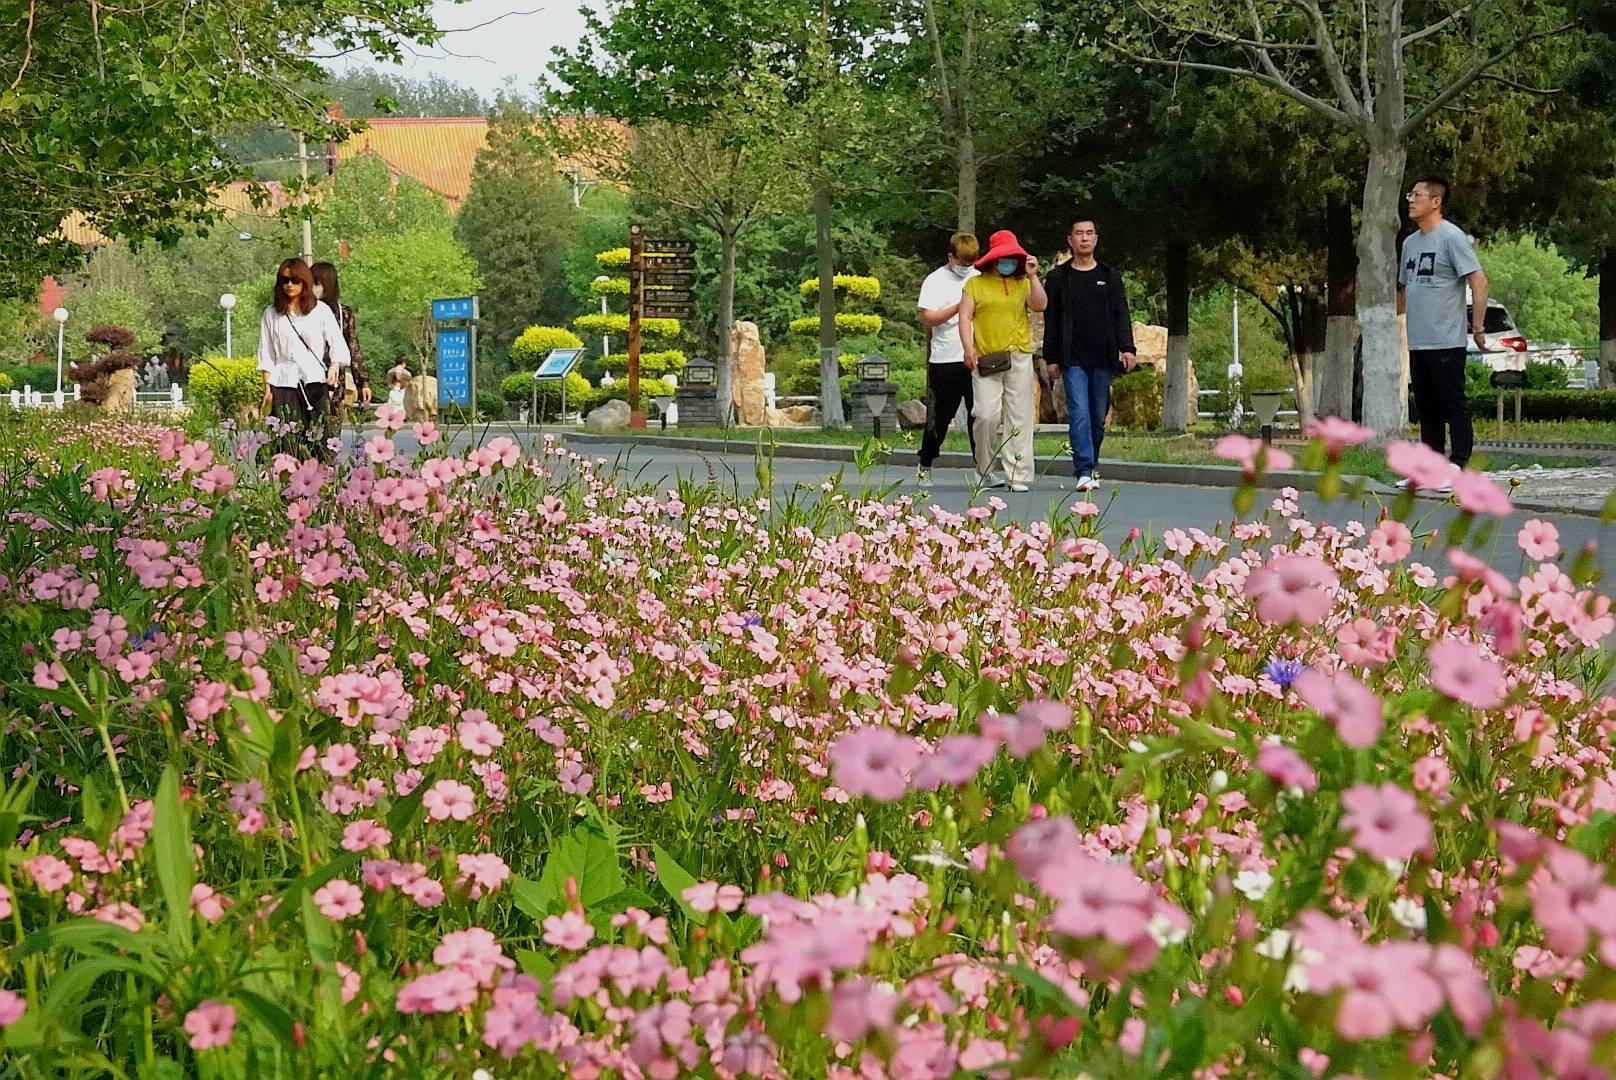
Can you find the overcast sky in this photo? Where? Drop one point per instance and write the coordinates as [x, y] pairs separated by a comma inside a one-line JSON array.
[[515, 47]]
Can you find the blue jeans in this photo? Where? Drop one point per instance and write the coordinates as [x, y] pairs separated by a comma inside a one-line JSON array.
[[1088, 400]]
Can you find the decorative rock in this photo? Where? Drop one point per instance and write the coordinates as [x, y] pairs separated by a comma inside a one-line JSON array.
[[1151, 342], [612, 416], [421, 399], [794, 416], [120, 391], [747, 360], [911, 415]]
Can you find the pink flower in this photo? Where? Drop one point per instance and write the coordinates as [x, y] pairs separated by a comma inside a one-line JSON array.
[[1285, 767], [955, 761], [1418, 463], [1390, 542], [1347, 703], [379, 449], [1539, 540], [479, 736], [1337, 434], [49, 873], [212, 1023], [1385, 821], [569, 930], [796, 955], [1291, 588], [339, 899], [1244, 450], [208, 903], [449, 799], [1386, 989], [709, 896], [486, 872], [1477, 494], [1460, 672], [12, 1006], [475, 951], [440, 992], [873, 761], [365, 834], [1571, 901], [390, 417], [859, 1006]]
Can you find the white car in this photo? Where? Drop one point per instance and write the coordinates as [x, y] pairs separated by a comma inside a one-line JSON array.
[[1507, 347]]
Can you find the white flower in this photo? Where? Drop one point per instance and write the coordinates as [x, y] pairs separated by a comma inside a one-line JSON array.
[[936, 856], [1164, 932], [1395, 867], [1218, 781], [1136, 746], [1254, 884], [482, 1074], [1409, 913]]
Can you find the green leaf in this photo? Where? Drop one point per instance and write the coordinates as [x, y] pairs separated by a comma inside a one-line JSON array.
[[1597, 837], [83, 934], [68, 989], [276, 1019], [586, 856], [674, 879], [171, 847]]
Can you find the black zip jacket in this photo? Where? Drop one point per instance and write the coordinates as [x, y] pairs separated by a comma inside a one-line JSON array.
[[1058, 328]]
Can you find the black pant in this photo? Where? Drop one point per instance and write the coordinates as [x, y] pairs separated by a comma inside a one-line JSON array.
[[307, 409], [1439, 396], [947, 385]]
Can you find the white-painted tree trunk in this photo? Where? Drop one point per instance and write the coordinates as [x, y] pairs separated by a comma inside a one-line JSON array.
[[1384, 391]]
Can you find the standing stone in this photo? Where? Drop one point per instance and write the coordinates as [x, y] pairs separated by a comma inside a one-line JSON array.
[[612, 415], [747, 359], [120, 391]]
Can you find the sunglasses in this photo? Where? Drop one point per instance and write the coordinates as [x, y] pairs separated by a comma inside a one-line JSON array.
[[287, 281]]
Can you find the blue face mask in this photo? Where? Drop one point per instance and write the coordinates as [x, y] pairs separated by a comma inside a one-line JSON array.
[[961, 271], [1006, 267]]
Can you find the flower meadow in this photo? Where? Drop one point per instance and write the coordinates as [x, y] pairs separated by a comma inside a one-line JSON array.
[[492, 763]]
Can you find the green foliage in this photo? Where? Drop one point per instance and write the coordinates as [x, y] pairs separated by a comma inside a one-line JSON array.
[[534, 344], [364, 201], [1550, 299], [392, 280], [1262, 347], [612, 286], [618, 390], [651, 363], [615, 323], [1548, 405], [859, 287], [5, 381], [517, 388], [1545, 376], [1136, 400], [614, 258], [603, 220], [228, 387], [185, 283], [846, 322], [517, 222], [121, 109], [97, 305]]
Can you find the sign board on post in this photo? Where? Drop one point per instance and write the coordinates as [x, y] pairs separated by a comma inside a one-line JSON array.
[[454, 367], [455, 309], [556, 366]]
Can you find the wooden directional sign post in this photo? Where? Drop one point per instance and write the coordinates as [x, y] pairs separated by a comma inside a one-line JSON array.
[[661, 275]]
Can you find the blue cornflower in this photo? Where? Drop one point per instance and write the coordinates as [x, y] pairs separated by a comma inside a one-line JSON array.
[[1283, 670], [753, 619]]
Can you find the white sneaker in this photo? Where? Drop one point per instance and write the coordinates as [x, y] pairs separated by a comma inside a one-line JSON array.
[[993, 482], [1019, 487], [1404, 484], [1087, 483]]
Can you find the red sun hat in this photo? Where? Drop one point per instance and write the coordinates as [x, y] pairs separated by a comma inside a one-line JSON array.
[[1002, 245]]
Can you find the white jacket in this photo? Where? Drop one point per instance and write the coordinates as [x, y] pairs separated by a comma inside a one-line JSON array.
[[292, 348]]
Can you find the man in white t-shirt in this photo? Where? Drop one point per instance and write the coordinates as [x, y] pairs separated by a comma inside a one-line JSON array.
[[948, 383]]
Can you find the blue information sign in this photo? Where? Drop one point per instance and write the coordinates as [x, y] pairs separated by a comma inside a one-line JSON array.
[[454, 367], [456, 308]]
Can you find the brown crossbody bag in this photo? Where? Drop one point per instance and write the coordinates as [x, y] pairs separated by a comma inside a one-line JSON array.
[[993, 363]]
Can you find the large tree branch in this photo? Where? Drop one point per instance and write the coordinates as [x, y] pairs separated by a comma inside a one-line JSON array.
[[939, 59], [1480, 68], [1440, 24], [28, 47], [1365, 86], [1278, 82], [1329, 59]]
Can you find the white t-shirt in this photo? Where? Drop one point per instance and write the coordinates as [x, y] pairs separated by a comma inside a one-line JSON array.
[[943, 288], [292, 347]]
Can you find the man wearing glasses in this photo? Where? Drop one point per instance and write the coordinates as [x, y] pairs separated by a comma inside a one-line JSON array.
[[1438, 263]]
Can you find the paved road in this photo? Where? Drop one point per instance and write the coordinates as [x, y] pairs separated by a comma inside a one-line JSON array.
[[1151, 508]]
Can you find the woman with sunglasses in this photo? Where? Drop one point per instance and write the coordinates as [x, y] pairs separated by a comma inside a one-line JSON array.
[[295, 337]]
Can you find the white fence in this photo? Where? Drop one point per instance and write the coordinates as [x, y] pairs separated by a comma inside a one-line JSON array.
[[29, 398]]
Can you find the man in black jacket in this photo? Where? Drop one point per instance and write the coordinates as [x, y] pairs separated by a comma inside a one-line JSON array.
[[1088, 339]]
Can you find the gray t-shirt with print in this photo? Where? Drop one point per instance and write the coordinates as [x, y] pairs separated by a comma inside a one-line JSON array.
[[1432, 273]]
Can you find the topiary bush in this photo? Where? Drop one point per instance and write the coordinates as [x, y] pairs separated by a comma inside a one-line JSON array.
[[231, 388], [1136, 400], [5, 382], [1547, 404], [534, 344], [649, 388], [651, 363], [517, 389]]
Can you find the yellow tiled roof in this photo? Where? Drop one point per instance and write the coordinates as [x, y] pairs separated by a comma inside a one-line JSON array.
[[438, 151]]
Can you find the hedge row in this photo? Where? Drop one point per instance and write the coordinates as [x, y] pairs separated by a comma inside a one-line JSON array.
[[1548, 404]]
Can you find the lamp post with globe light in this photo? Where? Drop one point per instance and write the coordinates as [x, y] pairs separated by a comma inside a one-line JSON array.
[[228, 302], [60, 315], [605, 339]]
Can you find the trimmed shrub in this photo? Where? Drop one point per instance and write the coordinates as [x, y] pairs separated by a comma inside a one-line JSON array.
[[5, 381], [651, 363], [229, 387], [613, 259], [612, 286], [848, 323], [649, 388], [517, 388], [618, 324], [1136, 400], [534, 344], [1547, 404], [854, 285]]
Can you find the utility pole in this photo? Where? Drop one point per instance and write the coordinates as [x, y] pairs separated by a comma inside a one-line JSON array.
[[303, 172]]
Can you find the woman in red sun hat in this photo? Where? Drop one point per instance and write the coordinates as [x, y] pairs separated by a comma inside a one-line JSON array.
[[998, 352]]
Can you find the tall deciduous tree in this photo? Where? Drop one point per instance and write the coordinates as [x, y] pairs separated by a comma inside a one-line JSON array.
[[1380, 69], [114, 111], [518, 222]]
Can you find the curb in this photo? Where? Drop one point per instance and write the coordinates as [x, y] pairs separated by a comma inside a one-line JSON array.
[[1139, 472]]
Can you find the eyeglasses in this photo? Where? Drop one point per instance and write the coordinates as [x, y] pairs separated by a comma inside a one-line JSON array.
[[287, 281]]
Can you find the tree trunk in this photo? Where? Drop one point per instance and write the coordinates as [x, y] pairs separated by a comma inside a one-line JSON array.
[[726, 321], [1176, 384], [1305, 360], [830, 368], [1384, 395], [1607, 320], [1334, 375], [965, 158]]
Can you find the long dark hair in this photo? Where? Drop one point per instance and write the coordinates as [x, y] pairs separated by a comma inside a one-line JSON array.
[[325, 276], [298, 270]]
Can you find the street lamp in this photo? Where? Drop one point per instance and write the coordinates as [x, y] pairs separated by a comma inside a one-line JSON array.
[[228, 302], [1266, 405], [60, 315], [605, 338]]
